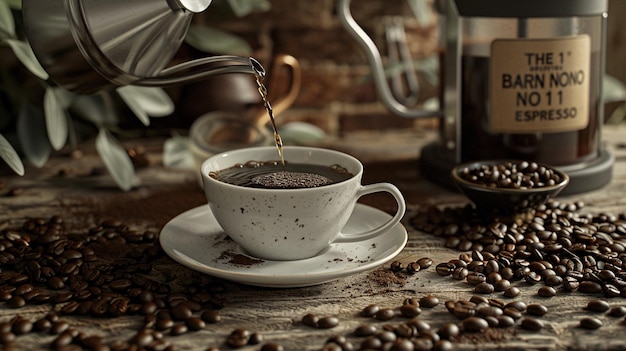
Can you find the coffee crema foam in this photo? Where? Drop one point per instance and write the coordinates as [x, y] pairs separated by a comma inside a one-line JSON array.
[[291, 180], [272, 175]]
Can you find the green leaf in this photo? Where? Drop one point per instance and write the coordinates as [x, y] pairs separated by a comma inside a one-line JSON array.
[[56, 117], [25, 54], [613, 89], [116, 160], [421, 10], [95, 109], [10, 156], [14, 4], [176, 153], [145, 102], [216, 42], [31, 130], [7, 24], [245, 7]]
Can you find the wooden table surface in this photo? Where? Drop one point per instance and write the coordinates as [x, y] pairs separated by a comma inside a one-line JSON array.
[[78, 190]]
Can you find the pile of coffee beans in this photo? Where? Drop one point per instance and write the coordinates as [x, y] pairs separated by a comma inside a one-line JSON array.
[[511, 175], [553, 244], [477, 317], [105, 271]]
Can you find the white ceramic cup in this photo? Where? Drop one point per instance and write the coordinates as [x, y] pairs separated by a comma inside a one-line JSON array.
[[291, 224]]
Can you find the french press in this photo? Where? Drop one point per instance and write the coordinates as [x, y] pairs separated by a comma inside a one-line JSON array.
[[520, 80]]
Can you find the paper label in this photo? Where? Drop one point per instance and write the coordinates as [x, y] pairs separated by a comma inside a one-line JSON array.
[[540, 85]]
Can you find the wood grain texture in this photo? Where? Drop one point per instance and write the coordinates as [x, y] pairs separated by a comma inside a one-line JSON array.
[[83, 195]]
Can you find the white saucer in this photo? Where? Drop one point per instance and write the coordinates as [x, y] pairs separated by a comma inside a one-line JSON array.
[[195, 240]]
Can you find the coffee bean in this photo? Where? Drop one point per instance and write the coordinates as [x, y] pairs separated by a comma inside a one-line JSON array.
[[475, 278], [16, 302], [59, 327], [163, 324], [370, 310], [385, 314], [484, 288], [445, 269], [419, 324], [61, 340], [513, 313], [328, 322], [512, 292], [619, 311], [402, 345], [410, 311], [429, 301], [477, 299], [22, 326], [396, 266], [536, 309], [502, 285], [474, 325], [6, 338], [181, 312], [546, 291], [505, 321], [310, 320], [530, 323], [460, 273], [238, 338], [590, 287], [443, 345], [590, 323], [413, 268], [195, 323], [42, 324], [425, 262], [178, 329], [598, 305], [517, 305], [365, 330], [448, 331], [211, 317]]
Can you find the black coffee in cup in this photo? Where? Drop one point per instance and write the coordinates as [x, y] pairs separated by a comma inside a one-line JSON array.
[[272, 175]]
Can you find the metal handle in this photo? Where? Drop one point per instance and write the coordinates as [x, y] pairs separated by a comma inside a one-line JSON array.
[[376, 63], [283, 102], [399, 55]]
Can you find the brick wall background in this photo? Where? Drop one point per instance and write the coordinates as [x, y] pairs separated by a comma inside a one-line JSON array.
[[337, 93]]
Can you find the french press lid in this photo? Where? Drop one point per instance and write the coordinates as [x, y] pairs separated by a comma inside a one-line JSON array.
[[527, 8]]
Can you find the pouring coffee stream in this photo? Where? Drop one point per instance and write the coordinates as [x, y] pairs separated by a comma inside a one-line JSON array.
[[259, 73]]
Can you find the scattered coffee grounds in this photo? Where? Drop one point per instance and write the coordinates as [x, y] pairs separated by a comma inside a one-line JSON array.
[[553, 244], [290, 180], [239, 259], [512, 175]]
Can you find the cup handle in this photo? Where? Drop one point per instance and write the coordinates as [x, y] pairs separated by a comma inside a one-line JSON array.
[[374, 232], [282, 103]]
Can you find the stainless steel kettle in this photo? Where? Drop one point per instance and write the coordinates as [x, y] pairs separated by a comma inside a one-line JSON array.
[[91, 45]]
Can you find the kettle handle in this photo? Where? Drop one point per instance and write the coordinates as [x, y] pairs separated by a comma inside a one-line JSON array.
[[376, 63]]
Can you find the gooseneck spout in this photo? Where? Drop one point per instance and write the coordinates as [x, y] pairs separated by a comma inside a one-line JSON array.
[[202, 68]]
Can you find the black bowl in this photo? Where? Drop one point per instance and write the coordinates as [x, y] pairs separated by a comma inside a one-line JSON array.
[[491, 191]]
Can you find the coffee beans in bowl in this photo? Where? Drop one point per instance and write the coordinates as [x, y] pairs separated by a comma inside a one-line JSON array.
[[508, 185]]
